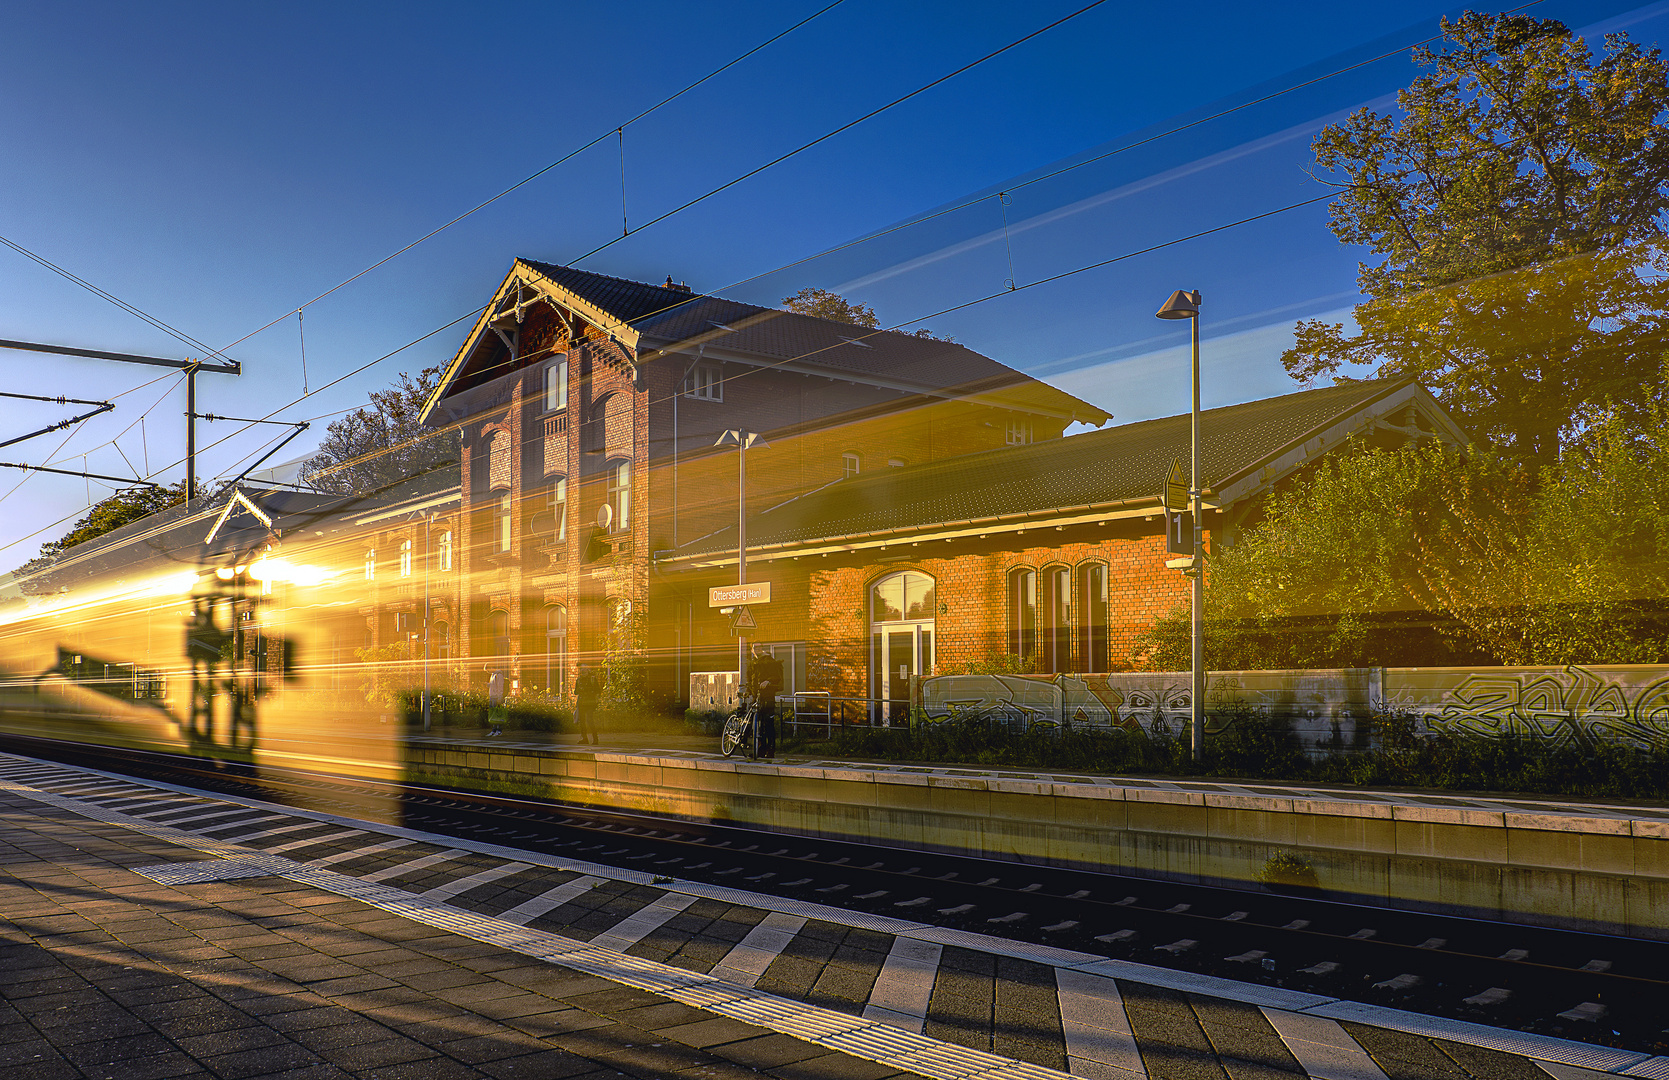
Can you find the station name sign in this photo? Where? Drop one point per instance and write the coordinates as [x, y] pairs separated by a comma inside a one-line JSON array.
[[754, 592]]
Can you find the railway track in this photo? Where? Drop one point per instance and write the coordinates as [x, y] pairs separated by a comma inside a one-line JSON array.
[[1611, 990]]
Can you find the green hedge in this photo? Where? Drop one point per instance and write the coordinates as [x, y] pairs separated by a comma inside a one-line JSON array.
[[1249, 746]]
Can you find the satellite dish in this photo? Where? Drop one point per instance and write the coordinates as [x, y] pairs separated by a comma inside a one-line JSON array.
[[605, 517]]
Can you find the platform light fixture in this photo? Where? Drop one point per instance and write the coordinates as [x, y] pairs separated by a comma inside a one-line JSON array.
[[1186, 305]]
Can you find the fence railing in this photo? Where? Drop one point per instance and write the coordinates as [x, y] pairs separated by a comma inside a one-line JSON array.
[[820, 712]]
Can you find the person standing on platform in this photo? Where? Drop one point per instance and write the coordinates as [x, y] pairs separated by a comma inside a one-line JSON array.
[[764, 680], [587, 689]]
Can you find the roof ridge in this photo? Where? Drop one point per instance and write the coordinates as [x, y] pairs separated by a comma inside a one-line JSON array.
[[693, 295], [1113, 431]]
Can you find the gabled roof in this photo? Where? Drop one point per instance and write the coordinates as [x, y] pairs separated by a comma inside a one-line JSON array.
[[656, 320], [1243, 448]]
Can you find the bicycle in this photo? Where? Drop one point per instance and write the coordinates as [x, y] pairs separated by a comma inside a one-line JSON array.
[[743, 724]]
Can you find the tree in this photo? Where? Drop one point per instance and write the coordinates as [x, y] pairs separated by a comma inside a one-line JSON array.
[[1330, 576], [1426, 556], [823, 304], [108, 515], [1599, 543], [1516, 210], [374, 448]]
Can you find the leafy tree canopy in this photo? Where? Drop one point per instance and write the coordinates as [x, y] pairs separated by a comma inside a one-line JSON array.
[[383, 444], [823, 304], [122, 508], [1515, 206], [1428, 556]]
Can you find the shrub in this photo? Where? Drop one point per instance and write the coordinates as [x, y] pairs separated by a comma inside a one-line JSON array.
[[1285, 870]]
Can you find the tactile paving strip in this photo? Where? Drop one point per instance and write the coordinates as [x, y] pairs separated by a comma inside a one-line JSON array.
[[190, 873]]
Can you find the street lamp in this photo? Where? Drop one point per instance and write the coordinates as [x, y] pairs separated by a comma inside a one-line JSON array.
[[1186, 305], [741, 439]]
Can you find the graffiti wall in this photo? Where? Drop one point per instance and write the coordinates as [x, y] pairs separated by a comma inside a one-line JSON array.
[[1328, 709], [1584, 705]]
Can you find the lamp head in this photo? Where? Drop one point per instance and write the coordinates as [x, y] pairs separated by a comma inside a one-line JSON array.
[[1181, 305]]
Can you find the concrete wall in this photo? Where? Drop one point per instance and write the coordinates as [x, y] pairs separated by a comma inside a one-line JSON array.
[[1594, 868]]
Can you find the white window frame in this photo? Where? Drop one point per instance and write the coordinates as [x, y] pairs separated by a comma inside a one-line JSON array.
[[501, 523], [1020, 431], [405, 558], [705, 382], [446, 550], [556, 383], [895, 463], [851, 464], [370, 564], [556, 501], [620, 493]]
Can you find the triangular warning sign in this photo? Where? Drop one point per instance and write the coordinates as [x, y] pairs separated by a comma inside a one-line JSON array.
[[743, 619], [1176, 488]]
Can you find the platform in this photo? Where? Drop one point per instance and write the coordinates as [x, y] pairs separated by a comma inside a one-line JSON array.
[[151, 931], [1557, 862]]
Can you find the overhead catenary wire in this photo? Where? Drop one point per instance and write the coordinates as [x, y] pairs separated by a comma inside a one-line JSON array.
[[116, 300], [569, 156], [1051, 174], [1016, 43]]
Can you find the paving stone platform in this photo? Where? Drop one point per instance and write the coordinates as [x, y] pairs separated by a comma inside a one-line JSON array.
[[149, 931]]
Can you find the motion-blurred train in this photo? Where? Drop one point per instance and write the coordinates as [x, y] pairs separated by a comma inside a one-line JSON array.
[[243, 631]]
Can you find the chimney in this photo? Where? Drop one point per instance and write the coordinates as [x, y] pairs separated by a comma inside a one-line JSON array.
[[676, 286]]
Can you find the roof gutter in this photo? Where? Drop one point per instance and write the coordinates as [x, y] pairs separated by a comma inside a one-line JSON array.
[[1088, 514]]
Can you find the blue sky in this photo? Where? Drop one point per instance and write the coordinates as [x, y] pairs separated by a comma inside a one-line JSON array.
[[219, 165]]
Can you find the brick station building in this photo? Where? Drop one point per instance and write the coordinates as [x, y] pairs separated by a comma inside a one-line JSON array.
[[589, 408], [1052, 553], [913, 504]]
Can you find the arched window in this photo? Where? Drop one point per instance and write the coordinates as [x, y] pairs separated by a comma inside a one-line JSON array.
[[501, 523], [556, 649], [556, 503], [1022, 612], [902, 608], [1092, 617], [850, 464], [498, 629], [620, 494], [371, 564], [441, 638], [446, 550], [556, 383], [1056, 637], [405, 558]]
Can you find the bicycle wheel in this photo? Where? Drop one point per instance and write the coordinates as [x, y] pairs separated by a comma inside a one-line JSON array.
[[735, 727]]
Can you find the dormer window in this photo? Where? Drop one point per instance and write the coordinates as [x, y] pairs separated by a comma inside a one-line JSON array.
[[556, 383], [704, 383], [1020, 432], [850, 464]]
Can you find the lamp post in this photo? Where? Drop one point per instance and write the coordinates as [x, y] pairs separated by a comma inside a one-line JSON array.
[[742, 440], [428, 617], [1186, 305]]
